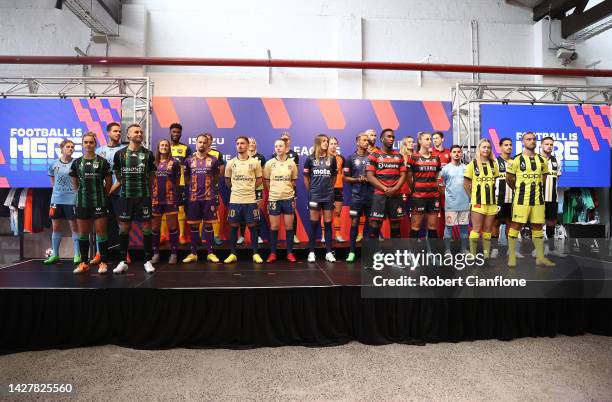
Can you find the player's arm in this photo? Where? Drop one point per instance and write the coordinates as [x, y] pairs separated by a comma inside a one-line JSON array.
[[258, 176], [307, 169], [467, 185], [227, 173], [399, 184], [348, 173], [117, 168], [375, 182], [467, 178], [74, 177], [334, 171], [108, 182], [511, 180]]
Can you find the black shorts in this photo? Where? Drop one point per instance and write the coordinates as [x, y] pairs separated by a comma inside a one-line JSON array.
[[135, 209], [338, 196], [387, 207], [115, 204], [91, 212], [62, 211], [505, 211], [551, 210], [424, 205]]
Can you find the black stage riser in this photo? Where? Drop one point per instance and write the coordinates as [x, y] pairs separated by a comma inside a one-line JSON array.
[[243, 318]]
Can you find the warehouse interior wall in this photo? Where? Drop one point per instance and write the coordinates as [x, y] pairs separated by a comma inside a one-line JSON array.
[[488, 32]]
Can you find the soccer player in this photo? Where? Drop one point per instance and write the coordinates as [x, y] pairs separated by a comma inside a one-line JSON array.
[[386, 172], [457, 210], [526, 176], [210, 150], [180, 152], [91, 179], [503, 195], [338, 196], [480, 176], [291, 154], [202, 171], [361, 191], [134, 168], [62, 203], [423, 169], [319, 177], [444, 155], [280, 174], [371, 133], [551, 204], [243, 175], [406, 150], [164, 199], [113, 131], [258, 193]]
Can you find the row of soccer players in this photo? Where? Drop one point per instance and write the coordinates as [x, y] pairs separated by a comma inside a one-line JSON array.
[[150, 187], [146, 187]]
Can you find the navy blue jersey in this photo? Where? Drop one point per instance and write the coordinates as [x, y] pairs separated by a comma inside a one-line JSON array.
[[355, 167], [321, 172]]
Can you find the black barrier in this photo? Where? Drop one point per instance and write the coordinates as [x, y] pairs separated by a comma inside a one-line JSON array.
[[407, 268]]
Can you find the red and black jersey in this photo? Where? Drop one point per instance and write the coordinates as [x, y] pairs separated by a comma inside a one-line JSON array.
[[424, 176], [386, 167], [443, 155]]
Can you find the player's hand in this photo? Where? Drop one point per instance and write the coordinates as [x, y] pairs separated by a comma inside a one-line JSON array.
[[389, 191]]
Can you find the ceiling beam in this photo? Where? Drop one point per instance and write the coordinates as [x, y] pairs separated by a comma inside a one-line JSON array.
[[575, 22], [554, 8]]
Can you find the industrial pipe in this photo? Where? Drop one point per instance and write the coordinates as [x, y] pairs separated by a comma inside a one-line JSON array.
[[359, 65]]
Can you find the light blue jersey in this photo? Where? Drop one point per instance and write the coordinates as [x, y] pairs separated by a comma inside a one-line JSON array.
[[63, 192], [108, 153], [455, 197]]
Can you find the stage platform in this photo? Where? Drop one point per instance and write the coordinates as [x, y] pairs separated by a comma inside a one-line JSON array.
[[249, 305]]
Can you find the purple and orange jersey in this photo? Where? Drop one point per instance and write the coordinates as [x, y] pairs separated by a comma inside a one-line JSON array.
[[165, 186], [200, 176]]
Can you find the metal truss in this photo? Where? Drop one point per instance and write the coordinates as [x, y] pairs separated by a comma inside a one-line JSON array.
[[135, 93], [467, 99]]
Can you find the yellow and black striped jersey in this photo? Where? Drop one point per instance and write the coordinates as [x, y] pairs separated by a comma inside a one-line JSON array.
[[529, 186], [483, 176], [503, 192], [550, 185]]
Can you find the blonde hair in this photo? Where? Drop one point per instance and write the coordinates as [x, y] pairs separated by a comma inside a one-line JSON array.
[[490, 157], [404, 150]]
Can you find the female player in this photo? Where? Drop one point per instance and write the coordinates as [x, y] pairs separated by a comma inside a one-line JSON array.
[[165, 197], [91, 179], [406, 150], [423, 174], [280, 174], [62, 203], [319, 177], [479, 182], [338, 197]]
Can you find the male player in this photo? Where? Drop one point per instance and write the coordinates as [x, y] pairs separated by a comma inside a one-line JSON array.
[[108, 151], [210, 150], [371, 134], [525, 176], [386, 172], [503, 195], [457, 210], [202, 170], [551, 204], [243, 175], [180, 152], [134, 168], [361, 191], [258, 194]]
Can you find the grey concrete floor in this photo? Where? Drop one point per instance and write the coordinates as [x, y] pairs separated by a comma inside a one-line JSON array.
[[528, 369]]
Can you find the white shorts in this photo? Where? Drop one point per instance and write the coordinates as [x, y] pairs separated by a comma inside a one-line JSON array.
[[453, 218]]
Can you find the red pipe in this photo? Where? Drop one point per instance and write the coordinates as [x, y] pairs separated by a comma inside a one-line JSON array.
[[360, 65]]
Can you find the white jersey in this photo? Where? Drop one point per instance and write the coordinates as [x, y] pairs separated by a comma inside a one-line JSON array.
[[503, 192], [550, 185]]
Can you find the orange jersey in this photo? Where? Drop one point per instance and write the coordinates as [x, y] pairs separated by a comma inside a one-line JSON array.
[[339, 165]]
